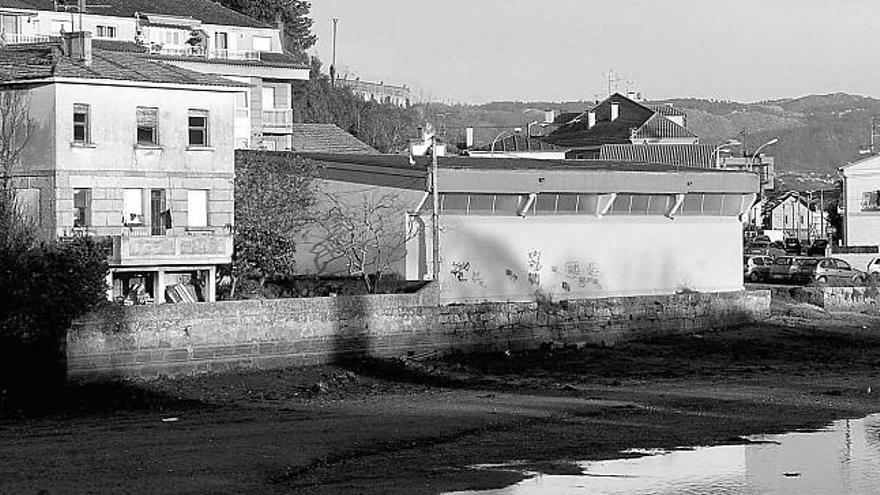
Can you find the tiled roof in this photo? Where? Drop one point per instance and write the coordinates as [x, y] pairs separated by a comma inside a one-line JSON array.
[[577, 134], [666, 110], [267, 59], [520, 143], [659, 127], [28, 62], [685, 155], [206, 11], [326, 138]]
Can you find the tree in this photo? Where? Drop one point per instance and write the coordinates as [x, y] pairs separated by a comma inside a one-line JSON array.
[[297, 36], [273, 197], [16, 129], [369, 233]]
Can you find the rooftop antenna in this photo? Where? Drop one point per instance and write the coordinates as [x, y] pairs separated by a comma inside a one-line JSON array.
[[613, 78], [333, 63]]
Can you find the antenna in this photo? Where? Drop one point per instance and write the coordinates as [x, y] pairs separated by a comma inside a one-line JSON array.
[[614, 78]]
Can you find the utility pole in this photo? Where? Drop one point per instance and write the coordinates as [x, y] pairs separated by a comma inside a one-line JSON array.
[[435, 217], [333, 62]]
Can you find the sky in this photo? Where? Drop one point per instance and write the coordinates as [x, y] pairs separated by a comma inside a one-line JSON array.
[[476, 51]]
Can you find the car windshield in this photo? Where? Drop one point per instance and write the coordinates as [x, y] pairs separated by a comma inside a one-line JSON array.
[[809, 262]]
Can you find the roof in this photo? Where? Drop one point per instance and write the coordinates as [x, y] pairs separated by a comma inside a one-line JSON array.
[[660, 127], [686, 155], [634, 120], [666, 110], [326, 138], [31, 62], [517, 142], [207, 11], [266, 58]]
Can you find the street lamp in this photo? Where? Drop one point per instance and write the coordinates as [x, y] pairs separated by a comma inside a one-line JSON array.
[[515, 130], [716, 153], [760, 178]]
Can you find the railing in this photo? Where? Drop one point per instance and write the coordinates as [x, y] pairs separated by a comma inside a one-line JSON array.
[[197, 51], [139, 250], [20, 39], [278, 120]]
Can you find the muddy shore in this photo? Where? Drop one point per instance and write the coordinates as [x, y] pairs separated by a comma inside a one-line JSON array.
[[417, 426]]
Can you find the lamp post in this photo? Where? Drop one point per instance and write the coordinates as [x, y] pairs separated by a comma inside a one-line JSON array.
[[716, 153], [515, 130], [760, 176]]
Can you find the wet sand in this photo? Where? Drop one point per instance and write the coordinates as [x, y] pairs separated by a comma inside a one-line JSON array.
[[416, 427]]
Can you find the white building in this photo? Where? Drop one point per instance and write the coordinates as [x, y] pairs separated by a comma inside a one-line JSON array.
[[861, 202], [798, 215]]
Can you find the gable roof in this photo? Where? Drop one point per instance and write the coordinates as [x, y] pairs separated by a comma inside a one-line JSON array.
[[206, 11], [326, 138], [633, 120], [685, 155], [666, 110], [21, 63]]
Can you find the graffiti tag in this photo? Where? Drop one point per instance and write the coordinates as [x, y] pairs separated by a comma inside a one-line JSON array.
[[460, 270]]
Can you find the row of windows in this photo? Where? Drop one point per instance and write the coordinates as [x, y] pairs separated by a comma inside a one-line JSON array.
[[147, 126], [133, 208], [694, 204]]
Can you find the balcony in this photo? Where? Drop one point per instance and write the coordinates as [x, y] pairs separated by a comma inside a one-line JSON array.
[[145, 250], [199, 52], [278, 120], [21, 39]]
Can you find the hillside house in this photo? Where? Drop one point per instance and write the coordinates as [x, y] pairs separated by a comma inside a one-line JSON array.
[[130, 150], [513, 228], [199, 35]]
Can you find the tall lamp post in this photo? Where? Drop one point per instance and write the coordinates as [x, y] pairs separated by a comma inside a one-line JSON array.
[[716, 153], [515, 130], [760, 178]]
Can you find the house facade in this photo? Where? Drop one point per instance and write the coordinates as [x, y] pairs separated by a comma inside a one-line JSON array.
[[132, 151], [517, 229], [198, 35], [797, 215], [861, 202]]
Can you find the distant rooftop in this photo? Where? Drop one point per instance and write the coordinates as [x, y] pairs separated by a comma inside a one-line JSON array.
[[327, 138]]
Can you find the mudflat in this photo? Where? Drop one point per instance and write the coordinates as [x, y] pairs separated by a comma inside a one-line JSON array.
[[421, 425]]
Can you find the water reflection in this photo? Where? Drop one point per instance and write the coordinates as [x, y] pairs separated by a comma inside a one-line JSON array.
[[843, 458]]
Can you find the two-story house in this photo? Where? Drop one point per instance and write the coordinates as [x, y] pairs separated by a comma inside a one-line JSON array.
[[131, 150], [198, 35]]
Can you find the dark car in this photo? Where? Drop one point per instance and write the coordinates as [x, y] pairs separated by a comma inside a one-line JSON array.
[[793, 245], [818, 247], [785, 269]]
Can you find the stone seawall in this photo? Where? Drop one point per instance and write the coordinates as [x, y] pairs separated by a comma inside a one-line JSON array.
[[184, 339]]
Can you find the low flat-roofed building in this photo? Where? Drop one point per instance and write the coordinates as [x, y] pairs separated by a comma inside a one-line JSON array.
[[519, 229]]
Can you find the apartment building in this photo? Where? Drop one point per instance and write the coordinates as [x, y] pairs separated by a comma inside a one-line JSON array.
[[199, 35], [132, 151]]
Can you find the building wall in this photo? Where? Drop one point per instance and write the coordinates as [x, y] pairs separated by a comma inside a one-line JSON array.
[[113, 161], [487, 258], [793, 217], [861, 226], [185, 339]]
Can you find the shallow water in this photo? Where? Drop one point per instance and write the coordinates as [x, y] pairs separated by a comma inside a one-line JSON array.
[[843, 458]]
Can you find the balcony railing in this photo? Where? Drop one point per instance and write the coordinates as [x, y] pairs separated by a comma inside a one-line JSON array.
[[140, 250], [199, 52], [278, 120], [20, 39]]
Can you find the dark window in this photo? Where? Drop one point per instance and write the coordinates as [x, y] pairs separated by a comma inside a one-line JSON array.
[[481, 204], [566, 204], [545, 204], [712, 204], [693, 204], [81, 123], [639, 204], [622, 204], [507, 204], [588, 204], [198, 128], [454, 203], [148, 126], [660, 204], [82, 201], [732, 205]]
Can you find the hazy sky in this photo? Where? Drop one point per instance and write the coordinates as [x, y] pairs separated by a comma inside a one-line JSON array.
[[483, 50]]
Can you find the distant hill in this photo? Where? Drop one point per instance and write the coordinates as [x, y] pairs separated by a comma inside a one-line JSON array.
[[818, 133]]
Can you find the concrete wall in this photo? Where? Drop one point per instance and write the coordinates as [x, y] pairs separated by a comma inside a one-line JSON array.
[[577, 256], [182, 339]]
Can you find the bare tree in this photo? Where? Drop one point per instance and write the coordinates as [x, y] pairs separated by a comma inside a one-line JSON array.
[[369, 234], [16, 129]]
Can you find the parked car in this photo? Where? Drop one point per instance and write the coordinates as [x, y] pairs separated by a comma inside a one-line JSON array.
[[793, 246], [762, 238], [762, 248], [817, 248], [874, 269], [785, 269], [756, 268], [829, 271]]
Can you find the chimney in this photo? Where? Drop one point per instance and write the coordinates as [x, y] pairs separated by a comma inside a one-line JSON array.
[[549, 116], [591, 119], [78, 46], [615, 110], [469, 137]]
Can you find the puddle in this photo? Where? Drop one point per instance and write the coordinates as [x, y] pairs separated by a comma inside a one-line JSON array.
[[843, 458]]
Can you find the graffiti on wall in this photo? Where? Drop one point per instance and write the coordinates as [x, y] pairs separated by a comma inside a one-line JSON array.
[[534, 267], [460, 270]]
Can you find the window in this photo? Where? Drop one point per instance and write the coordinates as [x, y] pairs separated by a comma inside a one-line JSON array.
[[132, 207], [148, 126], [81, 123], [268, 94], [82, 207], [871, 201], [197, 208], [198, 128], [262, 43], [221, 41], [27, 204], [105, 31], [9, 24]]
